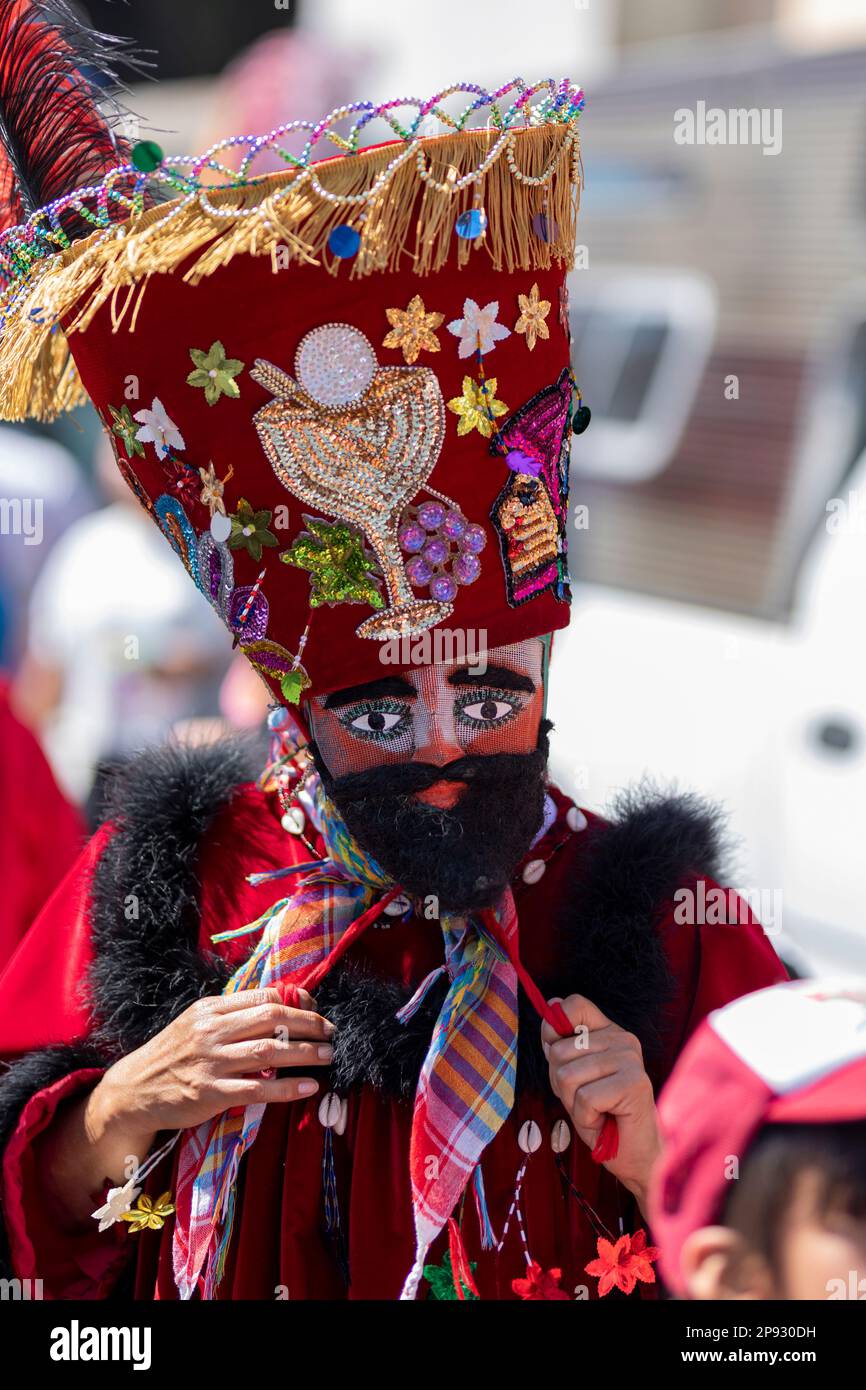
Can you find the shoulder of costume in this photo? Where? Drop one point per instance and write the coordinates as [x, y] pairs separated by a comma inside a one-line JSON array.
[[145, 895], [616, 886], [650, 843]]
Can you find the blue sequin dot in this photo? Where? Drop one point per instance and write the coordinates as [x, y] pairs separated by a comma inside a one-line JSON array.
[[471, 224], [344, 241]]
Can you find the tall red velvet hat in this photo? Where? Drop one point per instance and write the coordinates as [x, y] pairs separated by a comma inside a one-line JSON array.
[[342, 392]]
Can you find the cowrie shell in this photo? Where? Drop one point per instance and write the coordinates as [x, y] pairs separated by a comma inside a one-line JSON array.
[[397, 906], [529, 1138], [560, 1137], [330, 1108]]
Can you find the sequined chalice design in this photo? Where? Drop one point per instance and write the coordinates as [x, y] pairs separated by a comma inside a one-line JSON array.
[[357, 441]]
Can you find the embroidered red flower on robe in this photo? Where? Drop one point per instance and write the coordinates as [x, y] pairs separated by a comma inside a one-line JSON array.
[[539, 1284], [620, 1266]]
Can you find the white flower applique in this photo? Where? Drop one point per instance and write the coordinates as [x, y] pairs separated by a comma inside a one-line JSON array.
[[477, 329], [158, 429]]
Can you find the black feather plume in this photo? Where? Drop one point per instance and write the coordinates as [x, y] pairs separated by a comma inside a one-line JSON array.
[[58, 105]]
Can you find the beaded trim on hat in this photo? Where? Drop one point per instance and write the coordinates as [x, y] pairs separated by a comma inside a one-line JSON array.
[[513, 152]]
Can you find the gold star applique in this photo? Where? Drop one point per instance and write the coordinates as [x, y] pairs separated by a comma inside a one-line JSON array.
[[478, 407], [533, 312], [413, 329], [212, 488]]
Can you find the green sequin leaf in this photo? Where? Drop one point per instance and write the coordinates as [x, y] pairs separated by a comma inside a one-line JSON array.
[[338, 563], [293, 684]]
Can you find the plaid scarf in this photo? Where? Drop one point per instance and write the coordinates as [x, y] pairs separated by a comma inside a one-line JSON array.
[[466, 1088]]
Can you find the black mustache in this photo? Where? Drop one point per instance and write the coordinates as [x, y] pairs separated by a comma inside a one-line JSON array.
[[404, 779]]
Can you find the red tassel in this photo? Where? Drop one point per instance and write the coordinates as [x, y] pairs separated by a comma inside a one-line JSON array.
[[460, 1268], [607, 1143]]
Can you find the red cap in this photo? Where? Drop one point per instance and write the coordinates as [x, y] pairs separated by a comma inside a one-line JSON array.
[[791, 1054]]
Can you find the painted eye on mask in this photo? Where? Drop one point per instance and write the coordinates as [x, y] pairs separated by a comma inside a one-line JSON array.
[[486, 707], [380, 723]]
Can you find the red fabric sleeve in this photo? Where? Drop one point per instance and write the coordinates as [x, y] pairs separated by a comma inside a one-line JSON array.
[[712, 961], [68, 1265]]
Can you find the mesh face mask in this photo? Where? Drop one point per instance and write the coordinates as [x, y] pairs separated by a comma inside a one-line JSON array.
[[436, 714]]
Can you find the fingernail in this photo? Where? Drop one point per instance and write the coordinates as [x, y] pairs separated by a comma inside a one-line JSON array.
[[326, 1053], [307, 1088], [330, 1030]]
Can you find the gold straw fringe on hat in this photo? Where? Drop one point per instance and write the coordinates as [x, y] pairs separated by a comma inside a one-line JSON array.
[[285, 216]]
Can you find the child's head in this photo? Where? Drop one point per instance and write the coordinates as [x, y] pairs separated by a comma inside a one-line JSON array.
[[794, 1223], [761, 1192]]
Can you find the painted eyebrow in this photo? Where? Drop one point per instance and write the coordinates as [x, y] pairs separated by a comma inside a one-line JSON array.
[[494, 675], [371, 690]]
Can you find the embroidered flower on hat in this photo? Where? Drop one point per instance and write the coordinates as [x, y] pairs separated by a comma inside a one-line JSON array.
[[214, 372], [620, 1266], [413, 329], [181, 479], [533, 312], [478, 330], [478, 407], [213, 488], [123, 426], [158, 429], [251, 530]]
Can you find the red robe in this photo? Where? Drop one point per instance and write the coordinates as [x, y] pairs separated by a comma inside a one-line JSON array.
[[31, 862], [279, 1247]]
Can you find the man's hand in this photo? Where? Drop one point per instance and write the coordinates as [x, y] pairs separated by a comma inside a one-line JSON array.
[[211, 1058], [600, 1071]]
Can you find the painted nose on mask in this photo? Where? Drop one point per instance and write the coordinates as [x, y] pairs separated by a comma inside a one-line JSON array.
[[441, 751]]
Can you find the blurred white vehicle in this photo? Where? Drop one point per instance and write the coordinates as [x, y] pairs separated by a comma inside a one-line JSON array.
[[768, 719]]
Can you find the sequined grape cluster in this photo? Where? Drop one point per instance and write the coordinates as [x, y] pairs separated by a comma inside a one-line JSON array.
[[443, 547]]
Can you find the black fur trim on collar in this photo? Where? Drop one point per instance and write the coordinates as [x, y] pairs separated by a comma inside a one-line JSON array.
[[144, 900], [654, 843], [145, 923]]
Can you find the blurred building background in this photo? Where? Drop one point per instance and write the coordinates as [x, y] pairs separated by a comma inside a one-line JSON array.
[[719, 317]]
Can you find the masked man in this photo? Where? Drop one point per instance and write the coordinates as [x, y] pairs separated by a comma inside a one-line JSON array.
[[389, 1022]]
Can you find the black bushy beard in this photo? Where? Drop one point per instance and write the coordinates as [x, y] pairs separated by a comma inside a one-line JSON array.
[[464, 856]]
